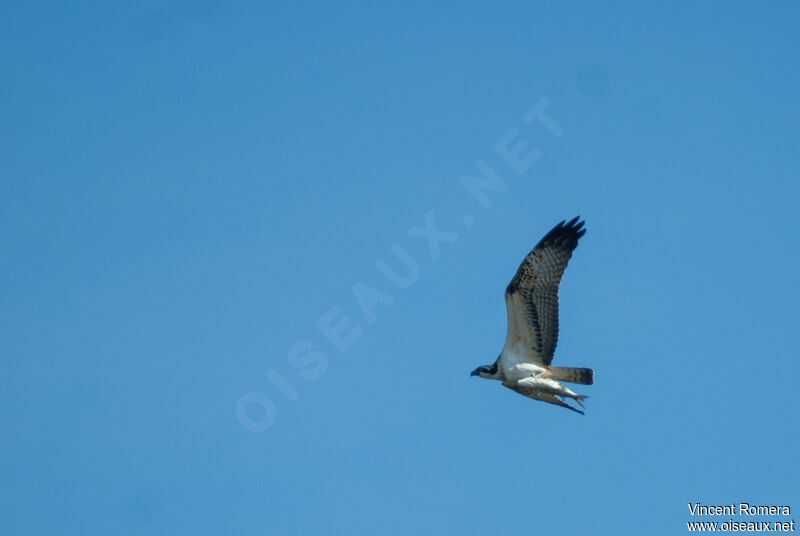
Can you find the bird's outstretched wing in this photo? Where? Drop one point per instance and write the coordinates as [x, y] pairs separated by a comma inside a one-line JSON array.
[[532, 296], [544, 396]]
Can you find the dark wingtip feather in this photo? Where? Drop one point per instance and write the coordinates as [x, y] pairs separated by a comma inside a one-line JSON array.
[[576, 410], [568, 232]]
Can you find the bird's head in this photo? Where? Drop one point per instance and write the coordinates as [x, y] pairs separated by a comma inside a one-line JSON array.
[[486, 372]]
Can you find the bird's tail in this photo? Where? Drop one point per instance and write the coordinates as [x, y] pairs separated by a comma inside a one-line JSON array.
[[583, 376]]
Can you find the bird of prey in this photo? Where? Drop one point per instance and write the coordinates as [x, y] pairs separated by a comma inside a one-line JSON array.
[[524, 364]]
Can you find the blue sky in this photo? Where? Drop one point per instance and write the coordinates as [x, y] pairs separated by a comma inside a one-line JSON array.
[[189, 187]]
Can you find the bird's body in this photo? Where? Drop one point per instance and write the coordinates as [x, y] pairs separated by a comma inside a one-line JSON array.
[[524, 364]]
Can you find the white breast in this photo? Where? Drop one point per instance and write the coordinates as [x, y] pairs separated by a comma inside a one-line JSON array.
[[517, 366]]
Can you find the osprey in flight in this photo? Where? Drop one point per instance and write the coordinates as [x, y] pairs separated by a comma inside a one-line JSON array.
[[524, 365]]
